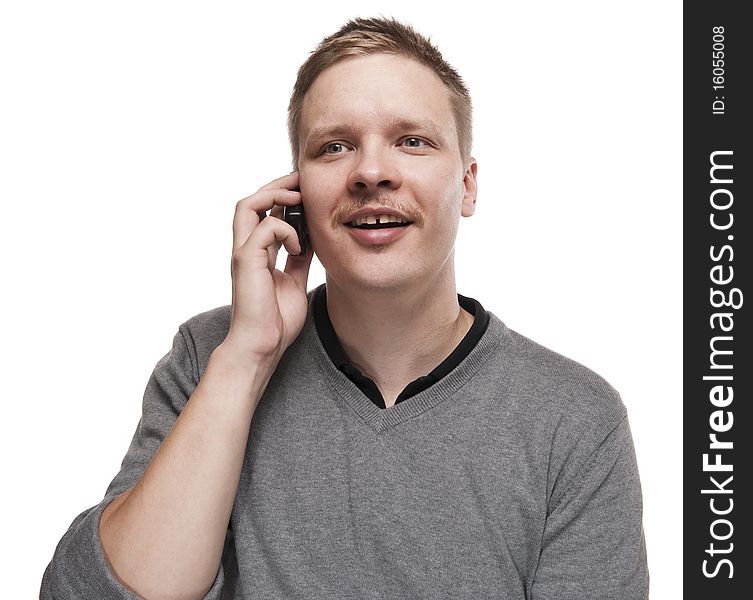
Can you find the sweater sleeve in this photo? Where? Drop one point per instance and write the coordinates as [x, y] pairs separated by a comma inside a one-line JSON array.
[[593, 545], [79, 569]]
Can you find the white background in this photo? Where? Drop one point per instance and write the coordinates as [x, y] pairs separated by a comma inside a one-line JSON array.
[[129, 131]]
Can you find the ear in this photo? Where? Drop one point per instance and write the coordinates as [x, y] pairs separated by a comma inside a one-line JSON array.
[[470, 186]]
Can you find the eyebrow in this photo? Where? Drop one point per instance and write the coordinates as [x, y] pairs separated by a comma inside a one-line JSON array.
[[391, 125]]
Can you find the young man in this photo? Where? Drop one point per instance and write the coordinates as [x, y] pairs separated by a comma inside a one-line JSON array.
[[381, 436]]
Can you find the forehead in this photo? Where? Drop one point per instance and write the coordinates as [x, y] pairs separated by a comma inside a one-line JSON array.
[[374, 89]]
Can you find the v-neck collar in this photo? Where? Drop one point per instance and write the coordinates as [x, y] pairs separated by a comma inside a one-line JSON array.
[[340, 359], [382, 419]]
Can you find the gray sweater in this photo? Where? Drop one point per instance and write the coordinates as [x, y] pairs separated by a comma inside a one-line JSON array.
[[512, 477]]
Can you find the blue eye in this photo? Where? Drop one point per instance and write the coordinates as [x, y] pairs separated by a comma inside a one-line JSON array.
[[336, 145], [414, 139]]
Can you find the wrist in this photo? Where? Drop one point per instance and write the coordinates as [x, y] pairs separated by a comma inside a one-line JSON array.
[[237, 377], [241, 360]]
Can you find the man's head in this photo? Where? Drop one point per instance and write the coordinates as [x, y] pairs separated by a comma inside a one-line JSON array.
[[376, 134], [362, 37]]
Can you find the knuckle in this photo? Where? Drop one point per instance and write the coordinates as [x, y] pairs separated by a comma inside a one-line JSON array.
[[270, 221], [246, 203], [237, 259]]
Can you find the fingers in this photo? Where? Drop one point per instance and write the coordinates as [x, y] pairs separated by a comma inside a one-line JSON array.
[[251, 210], [267, 239], [277, 212], [247, 211], [298, 267], [286, 181]]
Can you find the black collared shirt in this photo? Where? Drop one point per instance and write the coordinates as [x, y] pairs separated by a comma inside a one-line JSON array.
[[338, 357]]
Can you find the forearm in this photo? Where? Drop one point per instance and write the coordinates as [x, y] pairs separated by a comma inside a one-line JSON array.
[[164, 537]]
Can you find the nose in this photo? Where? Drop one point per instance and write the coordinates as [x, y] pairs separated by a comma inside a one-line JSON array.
[[374, 170]]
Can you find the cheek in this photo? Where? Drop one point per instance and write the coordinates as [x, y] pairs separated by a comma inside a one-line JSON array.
[[318, 224], [445, 181], [318, 195], [447, 192]]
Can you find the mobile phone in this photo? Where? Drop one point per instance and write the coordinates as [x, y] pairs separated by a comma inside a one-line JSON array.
[[295, 216]]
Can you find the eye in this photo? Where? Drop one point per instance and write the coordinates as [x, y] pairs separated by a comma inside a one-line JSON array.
[[414, 142], [334, 148]]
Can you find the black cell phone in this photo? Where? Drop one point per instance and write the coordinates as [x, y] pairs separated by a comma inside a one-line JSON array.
[[295, 216]]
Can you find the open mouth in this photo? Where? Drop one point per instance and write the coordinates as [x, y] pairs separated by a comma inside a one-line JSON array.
[[378, 222]]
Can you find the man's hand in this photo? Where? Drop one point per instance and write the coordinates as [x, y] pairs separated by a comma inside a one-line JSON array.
[[269, 306]]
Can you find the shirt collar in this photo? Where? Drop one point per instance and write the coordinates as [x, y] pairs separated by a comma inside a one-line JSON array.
[[340, 359]]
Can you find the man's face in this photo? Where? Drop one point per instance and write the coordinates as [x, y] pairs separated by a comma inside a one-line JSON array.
[[379, 132]]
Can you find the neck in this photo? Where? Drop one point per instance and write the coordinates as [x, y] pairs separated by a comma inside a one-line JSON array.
[[395, 336]]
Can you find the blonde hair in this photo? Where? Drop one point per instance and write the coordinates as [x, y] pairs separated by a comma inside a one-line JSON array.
[[361, 37]]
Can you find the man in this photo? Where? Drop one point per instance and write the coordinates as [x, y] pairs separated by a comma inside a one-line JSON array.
[[380, 436]]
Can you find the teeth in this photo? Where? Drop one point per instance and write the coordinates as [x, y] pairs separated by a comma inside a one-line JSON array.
[[372, 220]]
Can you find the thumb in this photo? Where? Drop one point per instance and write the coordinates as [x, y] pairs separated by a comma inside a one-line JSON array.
[[298, 267]]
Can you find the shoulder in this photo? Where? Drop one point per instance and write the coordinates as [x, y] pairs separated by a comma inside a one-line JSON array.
[[204, 331], [576, 418], [209, 325], [554, 387]]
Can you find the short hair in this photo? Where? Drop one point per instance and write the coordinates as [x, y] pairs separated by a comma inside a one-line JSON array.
[[362, 37]]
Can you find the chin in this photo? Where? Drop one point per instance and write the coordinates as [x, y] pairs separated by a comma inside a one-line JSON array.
[[376, 268], [379, 276]]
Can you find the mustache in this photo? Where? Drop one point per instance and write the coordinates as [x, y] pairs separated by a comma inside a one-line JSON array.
[[381, 199]]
